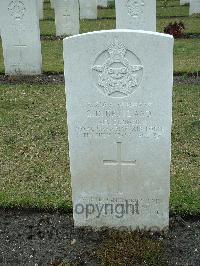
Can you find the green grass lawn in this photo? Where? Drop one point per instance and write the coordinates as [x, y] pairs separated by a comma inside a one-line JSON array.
[[186, 56], [34, 150], [53, 56], [33, 147], [185, 181], [192, 25]]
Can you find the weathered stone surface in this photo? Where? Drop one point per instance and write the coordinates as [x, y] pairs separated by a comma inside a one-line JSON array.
[[20, 35], [119, 106], [67, 17], [136, 14], [40, 9], [88, 9]]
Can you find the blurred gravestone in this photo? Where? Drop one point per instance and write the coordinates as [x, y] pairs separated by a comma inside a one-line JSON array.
[[136, 14], [67, 17], [88, 9], [20, 35], [194, 7]]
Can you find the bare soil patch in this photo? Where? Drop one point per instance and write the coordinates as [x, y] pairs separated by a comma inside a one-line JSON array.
[[29, 237]]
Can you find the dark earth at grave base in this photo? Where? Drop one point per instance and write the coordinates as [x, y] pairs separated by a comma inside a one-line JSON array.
[[29, 237], [51, 79]]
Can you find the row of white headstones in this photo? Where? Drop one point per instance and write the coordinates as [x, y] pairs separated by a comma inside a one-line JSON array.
[[67, 14], [127, 15], [20, 30], [100, 3], [119, 112]]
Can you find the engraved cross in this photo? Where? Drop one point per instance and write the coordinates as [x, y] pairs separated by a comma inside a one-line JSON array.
[[119, 162], [66, 16]]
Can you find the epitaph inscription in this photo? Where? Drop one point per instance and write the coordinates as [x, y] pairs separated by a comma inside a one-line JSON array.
[[16, 9], [117, 71]]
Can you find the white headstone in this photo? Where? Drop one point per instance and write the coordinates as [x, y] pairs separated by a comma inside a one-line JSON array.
[[136, 14], [183, 2], [40, 9], [102, 3], [194, 7], [88, 9], [119, 106], [20, 35], [67, 17]]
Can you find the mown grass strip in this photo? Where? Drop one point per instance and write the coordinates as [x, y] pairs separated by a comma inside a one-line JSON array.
[[34, 159]]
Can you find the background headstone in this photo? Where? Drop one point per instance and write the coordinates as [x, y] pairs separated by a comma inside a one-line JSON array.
[[88, 9], [20, 35], [183, 2], [136, 14], [67, 17], [194, 7], [119, 106], [102, 3]]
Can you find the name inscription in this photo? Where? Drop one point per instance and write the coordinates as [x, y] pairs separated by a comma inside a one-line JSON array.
[[125, 119]]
